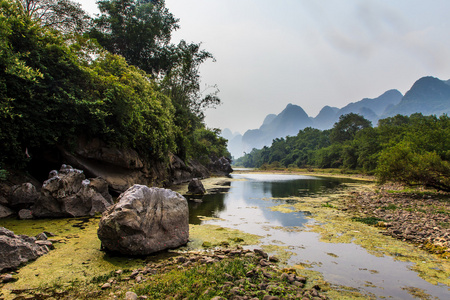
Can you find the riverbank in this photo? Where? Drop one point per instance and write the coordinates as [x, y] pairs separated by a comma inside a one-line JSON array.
[[334, 173], [66, 273], [417, 216], [222, 274]]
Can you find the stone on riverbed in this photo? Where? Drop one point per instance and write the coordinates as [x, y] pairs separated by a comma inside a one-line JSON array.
[[18, 249], [145, 220], [68, 194], [196, 187]]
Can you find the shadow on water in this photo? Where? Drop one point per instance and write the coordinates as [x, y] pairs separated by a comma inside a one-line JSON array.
[[208, 206]]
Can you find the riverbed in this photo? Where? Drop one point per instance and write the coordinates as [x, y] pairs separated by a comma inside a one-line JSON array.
[[298, 218]]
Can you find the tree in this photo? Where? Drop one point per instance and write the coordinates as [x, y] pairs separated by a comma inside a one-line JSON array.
[[347, 127], [406, 164], [63, 15], [139, 30]]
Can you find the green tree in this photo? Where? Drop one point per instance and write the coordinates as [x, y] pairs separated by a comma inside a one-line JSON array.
[[406, 164], [347, 127], [139, 30], [51, 95], [63, 15]]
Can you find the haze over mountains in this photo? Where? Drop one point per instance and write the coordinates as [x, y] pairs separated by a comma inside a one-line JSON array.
[[428, 95]]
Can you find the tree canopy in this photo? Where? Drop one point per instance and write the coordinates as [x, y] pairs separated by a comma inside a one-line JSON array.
[[56, 87], [414, 150]]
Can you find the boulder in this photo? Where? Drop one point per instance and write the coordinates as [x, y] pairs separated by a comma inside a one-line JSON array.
[[18, 249], [196, 187], [23, 196], [5, 212], [220, 166], [25, 214], [145, 220], [69, 194]]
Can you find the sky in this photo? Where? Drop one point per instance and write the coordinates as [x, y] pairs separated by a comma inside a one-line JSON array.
[[309, 53]]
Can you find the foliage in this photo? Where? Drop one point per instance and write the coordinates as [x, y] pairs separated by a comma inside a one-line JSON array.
[[136, 30], [208, 143], [63, 15], [56, 87], [206, 281], [404, 164], [3, 174], [140, 31], [347, 127]]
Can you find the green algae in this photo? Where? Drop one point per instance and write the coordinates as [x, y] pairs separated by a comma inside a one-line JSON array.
[[217, 236], [336, 226], [281, 252], [76, 257]]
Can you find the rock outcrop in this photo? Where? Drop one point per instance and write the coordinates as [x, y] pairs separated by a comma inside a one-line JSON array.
[[122, 168], [68, 194], [196, 187], [18, 249], [145, 220], [23, 196], [5, 211]]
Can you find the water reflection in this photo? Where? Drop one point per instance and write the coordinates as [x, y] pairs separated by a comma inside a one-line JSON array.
[[245, 205]]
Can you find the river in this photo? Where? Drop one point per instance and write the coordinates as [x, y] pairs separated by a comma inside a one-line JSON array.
[[295, 222]]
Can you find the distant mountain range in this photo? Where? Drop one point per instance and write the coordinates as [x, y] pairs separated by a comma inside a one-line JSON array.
[[428, 95]]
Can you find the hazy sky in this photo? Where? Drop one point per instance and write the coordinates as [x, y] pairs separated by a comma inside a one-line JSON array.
[[310, 53]]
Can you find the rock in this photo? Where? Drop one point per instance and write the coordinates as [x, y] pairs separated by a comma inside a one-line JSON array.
[[196, 187], [69, 194], [25, 214], [8, 278], [16, 250], [261, 253], [106, 286], [131, 296], [42, 236], [48, 244], [145, 220], [5, 212], [23, 196], [220, 166], [274, 259]]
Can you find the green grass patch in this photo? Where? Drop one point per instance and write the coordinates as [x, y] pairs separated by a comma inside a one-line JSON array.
[[391, 207], [368, 220]]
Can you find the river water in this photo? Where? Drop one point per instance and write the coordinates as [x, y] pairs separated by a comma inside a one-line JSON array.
[[247, 204]]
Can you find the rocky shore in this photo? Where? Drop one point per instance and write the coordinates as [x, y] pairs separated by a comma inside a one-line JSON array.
[[418, 217], [220, 274]]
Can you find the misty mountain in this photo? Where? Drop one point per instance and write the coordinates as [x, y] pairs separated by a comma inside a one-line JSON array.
[[326, 117], [428, 95], [288, 122]]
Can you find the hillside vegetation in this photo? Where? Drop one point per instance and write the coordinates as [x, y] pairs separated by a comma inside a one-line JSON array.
[[409, 149], [117, 78]]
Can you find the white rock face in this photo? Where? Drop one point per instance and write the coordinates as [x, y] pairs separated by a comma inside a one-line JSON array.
[[145, 220]]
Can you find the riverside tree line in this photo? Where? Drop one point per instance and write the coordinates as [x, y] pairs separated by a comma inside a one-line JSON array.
[[116, 77], [413, 150]]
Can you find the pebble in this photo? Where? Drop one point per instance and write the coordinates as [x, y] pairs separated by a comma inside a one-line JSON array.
[[131, 296]]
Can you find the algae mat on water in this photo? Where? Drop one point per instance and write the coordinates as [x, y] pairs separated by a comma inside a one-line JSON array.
[[336, 226], [77, 256]]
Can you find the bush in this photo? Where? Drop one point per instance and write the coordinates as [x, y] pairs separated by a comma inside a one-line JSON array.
[[402, 163]]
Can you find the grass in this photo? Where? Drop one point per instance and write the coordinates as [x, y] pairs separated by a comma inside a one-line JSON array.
[[368, 220], [230, 277]]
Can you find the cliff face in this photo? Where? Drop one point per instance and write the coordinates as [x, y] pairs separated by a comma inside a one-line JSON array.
[[122, 168]]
